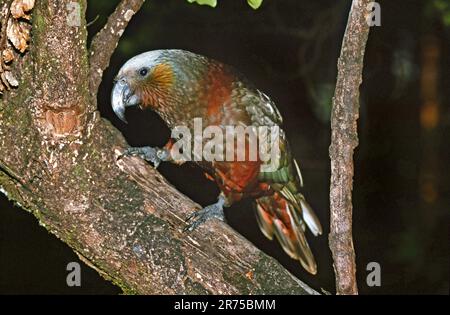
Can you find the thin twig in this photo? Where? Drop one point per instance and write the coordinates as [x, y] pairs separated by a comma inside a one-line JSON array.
[[105, 41]]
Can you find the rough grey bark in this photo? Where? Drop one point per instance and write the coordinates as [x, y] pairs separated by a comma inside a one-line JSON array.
[[58, 160], [344, 139], [105, 41]]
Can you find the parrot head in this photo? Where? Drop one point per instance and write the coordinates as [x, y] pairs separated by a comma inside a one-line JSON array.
[[153, 79], [142, 80]]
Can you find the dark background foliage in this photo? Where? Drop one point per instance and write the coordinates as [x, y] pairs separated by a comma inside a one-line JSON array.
[[289, 50]]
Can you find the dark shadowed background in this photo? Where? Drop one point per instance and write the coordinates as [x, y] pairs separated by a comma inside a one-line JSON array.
[[289, 49]]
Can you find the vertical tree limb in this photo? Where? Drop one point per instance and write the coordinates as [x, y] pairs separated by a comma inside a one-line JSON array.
[[60, 68], [344, 139], [105, 41]]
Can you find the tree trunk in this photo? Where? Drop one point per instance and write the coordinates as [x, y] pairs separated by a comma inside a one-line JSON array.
[[344, 139], [58, 160]]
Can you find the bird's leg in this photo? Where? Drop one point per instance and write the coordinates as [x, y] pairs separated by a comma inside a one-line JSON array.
[[215, 210], [153, 154]]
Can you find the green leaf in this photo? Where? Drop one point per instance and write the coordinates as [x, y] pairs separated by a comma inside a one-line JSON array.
[[211, 3], [255, 4]]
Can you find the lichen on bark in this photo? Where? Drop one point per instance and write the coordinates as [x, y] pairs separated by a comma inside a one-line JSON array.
[[344, 139]]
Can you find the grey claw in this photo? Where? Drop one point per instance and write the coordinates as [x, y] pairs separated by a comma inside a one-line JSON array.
[[197, 218], [192, 226], [191, 216], [147, 153], [124, 154]]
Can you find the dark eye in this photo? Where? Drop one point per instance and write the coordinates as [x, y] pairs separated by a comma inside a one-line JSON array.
[[143, 72]]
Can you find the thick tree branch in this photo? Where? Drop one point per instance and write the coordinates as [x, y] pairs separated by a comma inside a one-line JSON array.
[[344, 139], [126, 221], [105, 41], [59, 69], [121, 217]]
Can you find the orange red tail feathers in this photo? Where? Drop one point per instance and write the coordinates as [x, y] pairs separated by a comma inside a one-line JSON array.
[[287, 220]]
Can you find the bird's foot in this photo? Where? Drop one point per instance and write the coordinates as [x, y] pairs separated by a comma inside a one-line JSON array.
[[154, 155], [197, 218]]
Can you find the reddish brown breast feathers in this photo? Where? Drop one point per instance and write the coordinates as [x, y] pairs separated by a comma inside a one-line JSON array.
[[218, 93]]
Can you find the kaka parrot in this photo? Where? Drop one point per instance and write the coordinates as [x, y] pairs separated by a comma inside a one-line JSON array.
[[180, 86]]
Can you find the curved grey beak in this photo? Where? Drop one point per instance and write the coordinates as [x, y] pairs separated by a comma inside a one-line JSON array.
[[122, 97]]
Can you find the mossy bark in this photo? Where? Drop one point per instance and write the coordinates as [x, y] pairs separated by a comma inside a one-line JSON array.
[[58, 160]]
